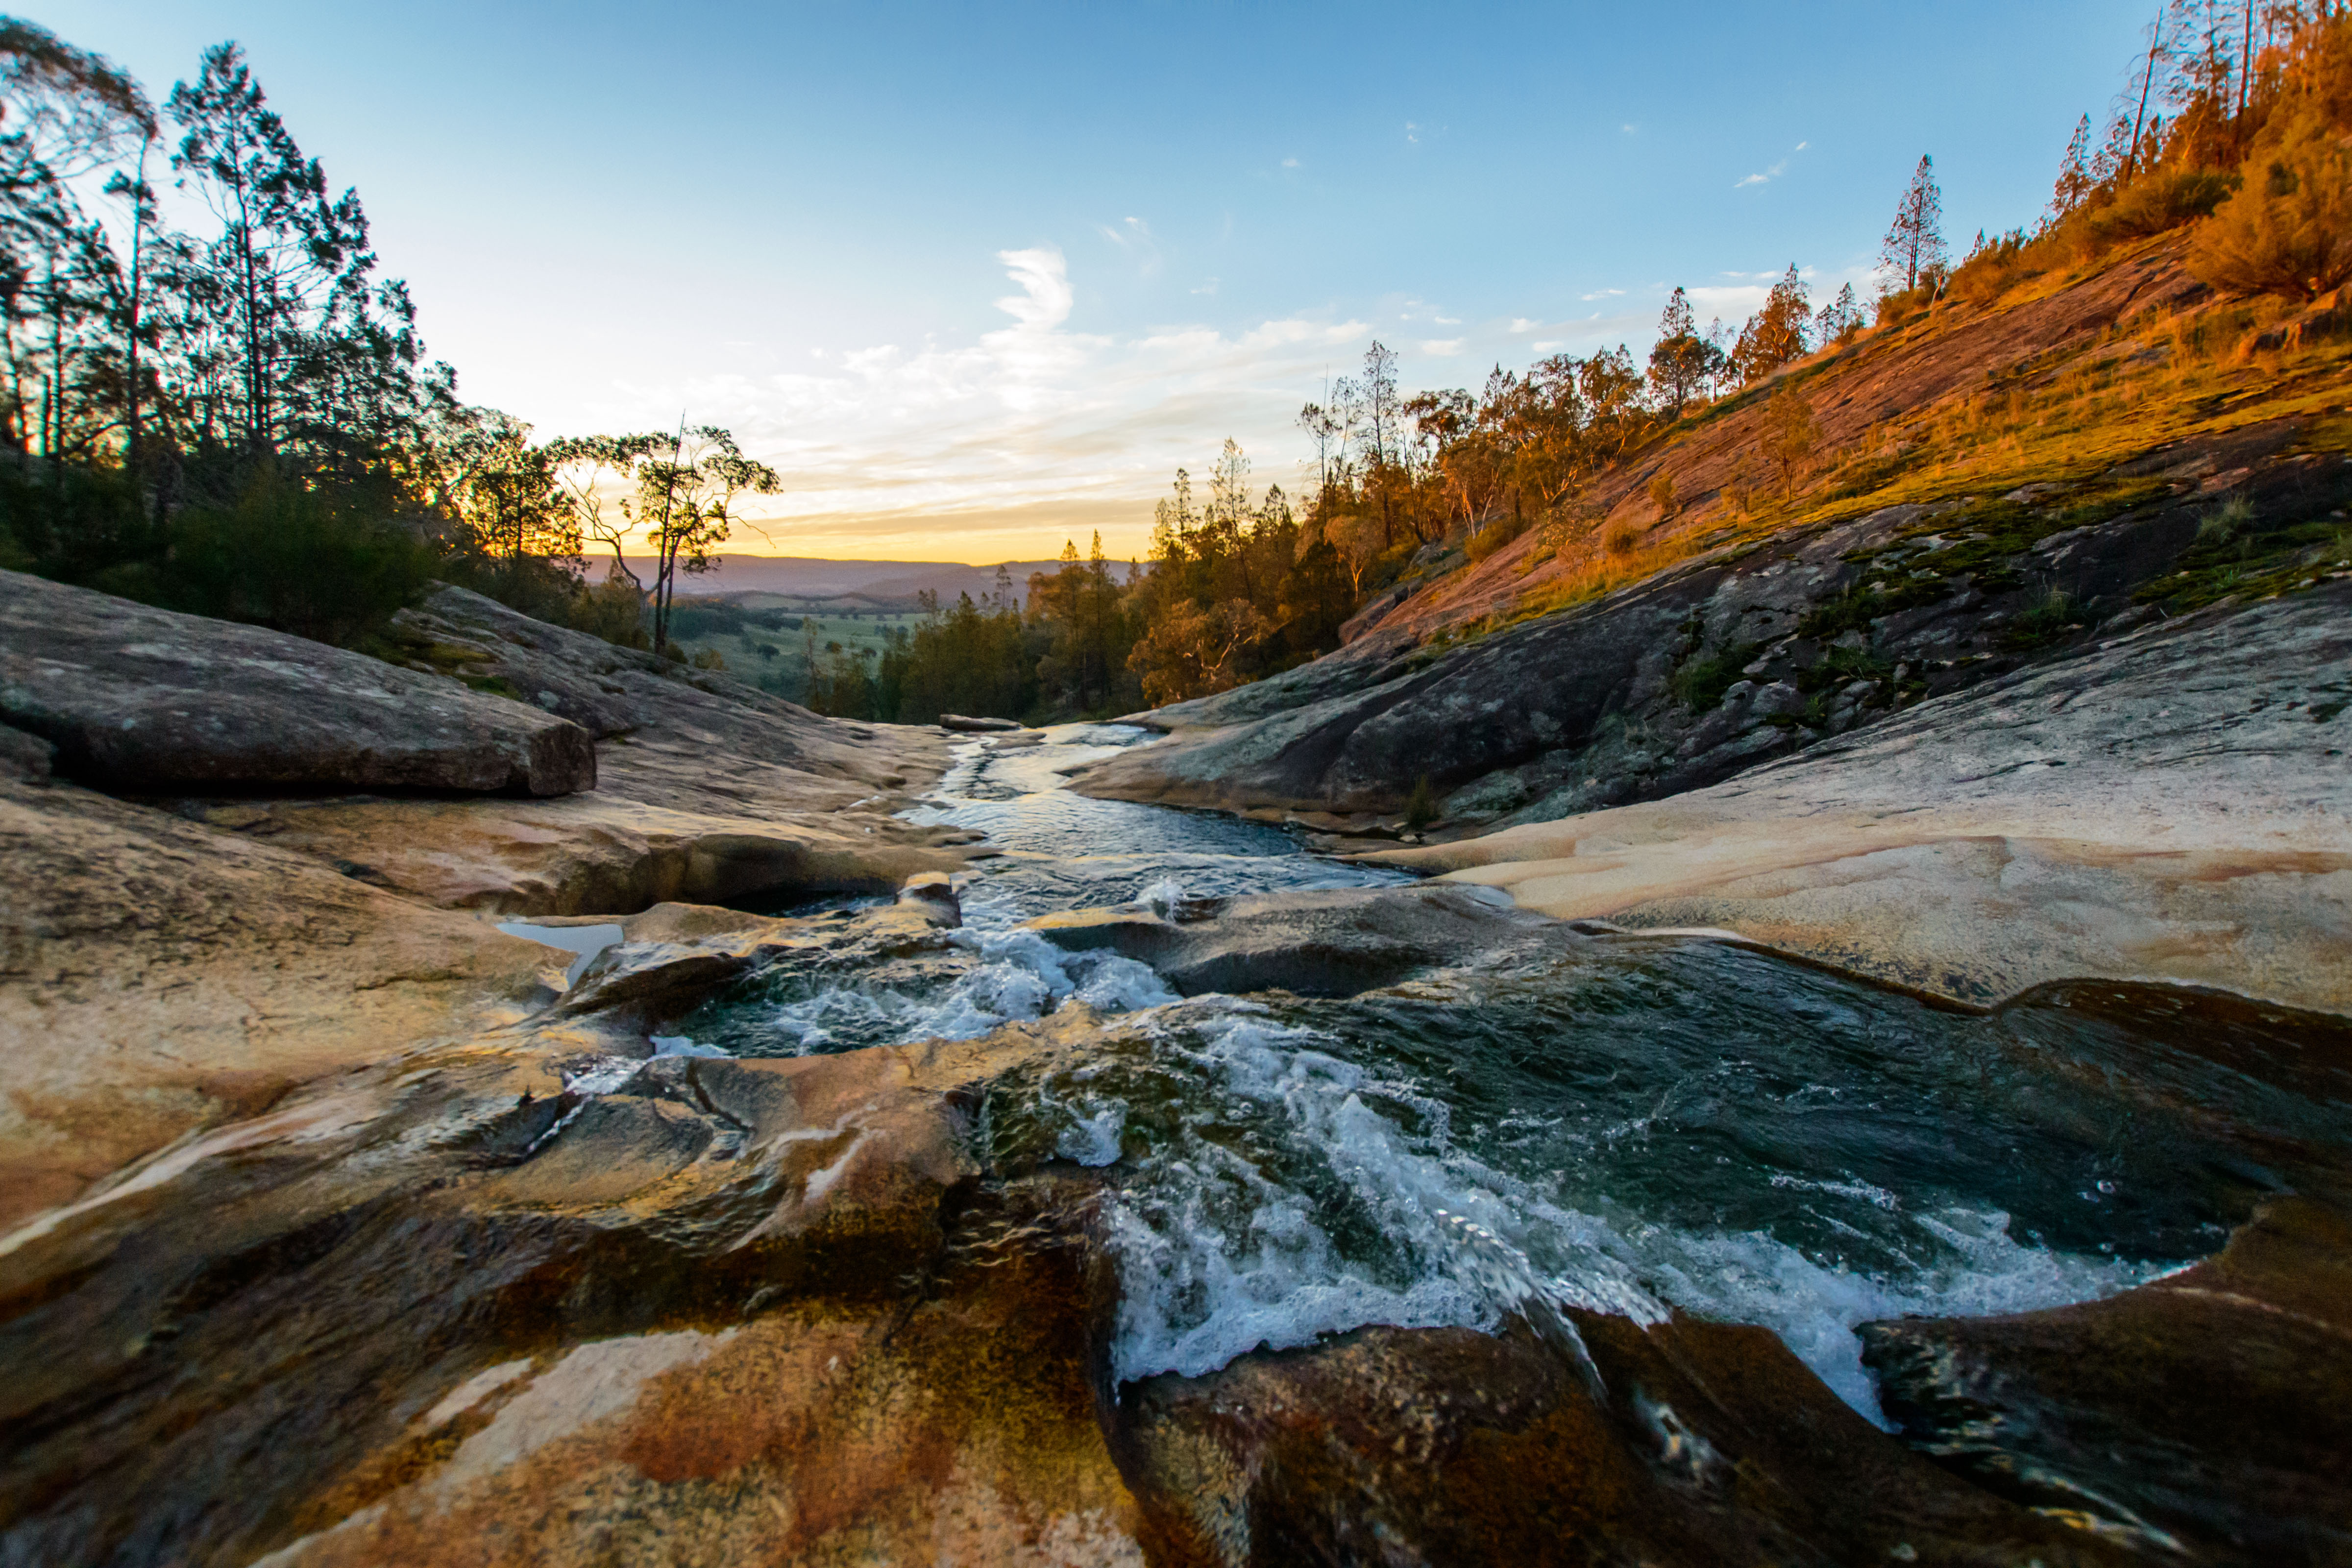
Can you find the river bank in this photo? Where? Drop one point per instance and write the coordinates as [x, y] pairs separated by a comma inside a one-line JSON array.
[[1132, 1184]]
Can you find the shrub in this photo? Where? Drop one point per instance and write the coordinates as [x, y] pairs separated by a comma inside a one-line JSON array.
[[73, 524], [711, 658], [1700, 684], [1420, 806], [615, 610], [2288, 231], [2157, 203], [1622, 540], [1493, 537], [289, 557]]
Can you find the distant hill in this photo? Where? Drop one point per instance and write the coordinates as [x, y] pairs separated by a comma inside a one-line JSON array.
[[813, 578]]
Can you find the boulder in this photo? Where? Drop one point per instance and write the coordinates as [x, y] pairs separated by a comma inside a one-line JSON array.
[[141, 700], [933, 893]]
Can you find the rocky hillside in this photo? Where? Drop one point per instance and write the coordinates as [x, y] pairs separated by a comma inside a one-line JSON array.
[[1994, 488]]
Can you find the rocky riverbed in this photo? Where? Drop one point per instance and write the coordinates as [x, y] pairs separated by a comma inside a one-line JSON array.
[[1011, 1175]]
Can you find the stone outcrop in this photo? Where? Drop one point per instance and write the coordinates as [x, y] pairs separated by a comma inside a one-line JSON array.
[[710, 790], [168, 965], [158, 977], [150, 701], [1732, 659], [2171, 806]]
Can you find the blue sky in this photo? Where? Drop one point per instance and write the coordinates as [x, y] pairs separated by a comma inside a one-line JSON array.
[[978, 277]]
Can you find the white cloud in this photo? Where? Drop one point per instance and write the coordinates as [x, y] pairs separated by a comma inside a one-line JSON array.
[[981, 448], [1605, 294], [1521, 324], [1442, 347], [1207, 287], [1290, 162], [1411, 132]]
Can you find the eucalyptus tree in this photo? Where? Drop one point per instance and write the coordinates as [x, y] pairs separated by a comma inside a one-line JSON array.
[[64, 113], [300, 352], [685, 505]]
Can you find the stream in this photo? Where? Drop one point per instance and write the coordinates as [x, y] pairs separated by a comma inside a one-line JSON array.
[[1639, 1126]]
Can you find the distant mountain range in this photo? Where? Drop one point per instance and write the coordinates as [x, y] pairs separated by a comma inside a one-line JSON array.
[[811, 577]]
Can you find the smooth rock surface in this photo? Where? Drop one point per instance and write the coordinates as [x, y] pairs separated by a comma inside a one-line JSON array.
[[1689, 1444], [467, 1309], [157, 978], [710, 790], [145, 700], [2174, 805]]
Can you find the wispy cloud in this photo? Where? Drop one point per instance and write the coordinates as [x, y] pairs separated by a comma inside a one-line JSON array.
[[1774, 172], [1442, 348], [1604, 294], [1290, 162]]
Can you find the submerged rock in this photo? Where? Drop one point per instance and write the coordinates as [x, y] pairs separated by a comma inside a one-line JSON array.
[[146, 701], [1333, 942]]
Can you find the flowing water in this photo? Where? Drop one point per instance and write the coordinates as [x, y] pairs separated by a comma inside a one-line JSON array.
[[1636, 1126]]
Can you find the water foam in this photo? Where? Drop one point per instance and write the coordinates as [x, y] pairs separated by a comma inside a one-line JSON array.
[[1301, 1202], [1014, 976]]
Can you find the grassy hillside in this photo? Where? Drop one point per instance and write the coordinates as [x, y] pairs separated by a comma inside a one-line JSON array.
[[2008, 418]]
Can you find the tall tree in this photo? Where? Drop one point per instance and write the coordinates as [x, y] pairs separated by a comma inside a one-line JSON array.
[[1777, 333], [1913, 247], [1683, 365], [2074, 179], [283, 247]]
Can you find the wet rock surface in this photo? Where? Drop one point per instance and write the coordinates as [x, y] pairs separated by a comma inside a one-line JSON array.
[[530, 1295], [147, 700], [1317, 943], [2203, 1416], [1689, 1443]]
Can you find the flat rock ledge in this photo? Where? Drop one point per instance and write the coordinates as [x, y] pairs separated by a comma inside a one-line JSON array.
[[138, 699], [2172, 807]]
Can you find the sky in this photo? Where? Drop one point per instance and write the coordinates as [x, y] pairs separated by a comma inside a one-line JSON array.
[[977, 278]]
